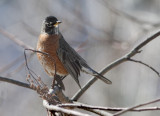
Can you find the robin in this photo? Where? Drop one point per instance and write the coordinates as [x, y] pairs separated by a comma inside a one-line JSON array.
[[66, 59]]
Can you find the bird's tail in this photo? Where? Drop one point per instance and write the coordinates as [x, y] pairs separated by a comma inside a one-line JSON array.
[[90, 71]]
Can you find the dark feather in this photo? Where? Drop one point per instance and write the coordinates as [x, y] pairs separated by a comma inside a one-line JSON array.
[[73, 62]]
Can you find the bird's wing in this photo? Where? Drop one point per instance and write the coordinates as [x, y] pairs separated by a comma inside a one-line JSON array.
[[72, 61]]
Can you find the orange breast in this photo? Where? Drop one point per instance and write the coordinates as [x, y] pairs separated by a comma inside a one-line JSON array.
[[49, 44]]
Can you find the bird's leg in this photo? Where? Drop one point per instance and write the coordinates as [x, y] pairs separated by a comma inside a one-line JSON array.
[[57, 81], [53, 82], [63, 77]]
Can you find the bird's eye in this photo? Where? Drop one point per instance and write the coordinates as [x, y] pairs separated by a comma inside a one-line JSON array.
[[49, 24]]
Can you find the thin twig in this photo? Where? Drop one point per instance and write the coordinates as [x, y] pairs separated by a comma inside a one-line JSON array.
[[29, 70], [136, 106], [136, 61], [44, 53], [133, 52]]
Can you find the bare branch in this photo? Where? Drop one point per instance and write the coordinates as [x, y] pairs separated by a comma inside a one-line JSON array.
[[98, 112], [136, 106], [142, 44], [44, 53], [86, 106], [136, 61], [15, 82], [59, 109], [32, 73], [133, 52]]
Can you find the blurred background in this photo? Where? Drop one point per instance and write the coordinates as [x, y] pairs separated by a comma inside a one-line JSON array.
[[102, 31]]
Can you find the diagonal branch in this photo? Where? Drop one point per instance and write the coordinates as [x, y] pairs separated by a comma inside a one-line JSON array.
[[133, 52], [136, 106], [15, 82], [136, 61]]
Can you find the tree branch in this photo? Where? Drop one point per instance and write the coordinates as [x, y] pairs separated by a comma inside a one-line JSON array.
[[59, 109], [4, 79], [133, 52], [136, 106], [140, 62], [86, 106]]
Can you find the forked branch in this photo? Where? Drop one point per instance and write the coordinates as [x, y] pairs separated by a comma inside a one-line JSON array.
[[119, 61]]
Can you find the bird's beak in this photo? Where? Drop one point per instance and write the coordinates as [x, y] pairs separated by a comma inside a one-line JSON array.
[[57, 23]]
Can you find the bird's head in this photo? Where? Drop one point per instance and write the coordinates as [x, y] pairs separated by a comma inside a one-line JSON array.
[[50, 25]]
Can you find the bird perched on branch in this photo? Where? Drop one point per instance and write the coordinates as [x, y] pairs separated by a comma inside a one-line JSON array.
[[62, 59]]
